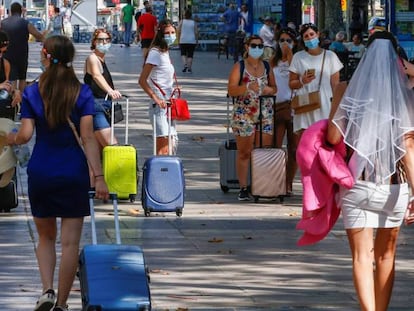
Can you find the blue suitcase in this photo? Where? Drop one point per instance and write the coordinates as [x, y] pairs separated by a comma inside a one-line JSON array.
[[163, 182], [163, 185], [113, 277]]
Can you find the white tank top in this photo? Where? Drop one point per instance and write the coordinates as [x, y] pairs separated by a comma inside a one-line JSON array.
[[187, 31]]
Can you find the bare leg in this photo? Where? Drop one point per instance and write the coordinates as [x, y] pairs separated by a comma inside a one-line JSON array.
[[104, 137], [71, 230], [385, 249], [189, 62], [184, 59], [244, 149], [267, 140], [361, 244], [291, 161], [162, 145], [45, 250]]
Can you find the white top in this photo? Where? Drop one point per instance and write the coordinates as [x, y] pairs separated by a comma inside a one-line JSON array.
[[359, 49], [267, 36], [66, 12], [162, 72], [187, 33], [302, 61], [281, 72]]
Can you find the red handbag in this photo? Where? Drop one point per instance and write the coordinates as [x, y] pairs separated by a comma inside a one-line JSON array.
[[179, 106]]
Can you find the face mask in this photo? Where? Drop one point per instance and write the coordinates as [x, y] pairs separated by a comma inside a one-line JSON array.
[[312, 44], [255, 52], [290, 45], [103, 48], [170, 39]]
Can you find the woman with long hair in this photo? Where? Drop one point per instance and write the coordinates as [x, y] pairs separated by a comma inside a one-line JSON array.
[[58, 174], [280, 62], [158, 74], [246, 87]]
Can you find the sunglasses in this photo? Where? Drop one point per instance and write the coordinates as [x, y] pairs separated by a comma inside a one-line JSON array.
[[285, 40], [103, 39], [254, 45]]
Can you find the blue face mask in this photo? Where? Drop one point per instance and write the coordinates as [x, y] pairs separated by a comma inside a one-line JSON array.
[[255, 52], [170, 39], [312, 44], [103, 48]]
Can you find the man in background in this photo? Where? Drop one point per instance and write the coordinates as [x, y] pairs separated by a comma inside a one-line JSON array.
[[18, 30], [127, 15], [231, 19], [147, 27]]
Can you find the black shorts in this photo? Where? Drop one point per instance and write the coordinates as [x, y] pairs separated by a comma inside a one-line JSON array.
[[145, 43], [187, 49], [18, 71]]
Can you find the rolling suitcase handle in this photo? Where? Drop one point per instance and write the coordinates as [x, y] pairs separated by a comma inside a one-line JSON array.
[[114, 199], [126, 119]]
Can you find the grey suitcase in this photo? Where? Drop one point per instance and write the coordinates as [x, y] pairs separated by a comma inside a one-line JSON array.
[[228, 153], [268, 167]]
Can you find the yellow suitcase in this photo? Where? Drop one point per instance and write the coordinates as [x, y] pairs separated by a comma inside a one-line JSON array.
[[120, 166]]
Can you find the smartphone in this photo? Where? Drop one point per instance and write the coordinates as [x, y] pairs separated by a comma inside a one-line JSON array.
[[310, 72]]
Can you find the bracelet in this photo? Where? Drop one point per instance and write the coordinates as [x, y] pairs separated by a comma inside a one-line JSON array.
[[411, 199], [96, 176]]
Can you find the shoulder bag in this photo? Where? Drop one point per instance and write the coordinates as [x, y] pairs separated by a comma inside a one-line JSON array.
[[309, 101], [179, 106]]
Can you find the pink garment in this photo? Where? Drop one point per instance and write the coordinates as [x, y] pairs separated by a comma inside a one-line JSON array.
[[323, 169]]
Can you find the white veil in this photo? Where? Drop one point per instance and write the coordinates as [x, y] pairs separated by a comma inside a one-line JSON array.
[[375, 113]]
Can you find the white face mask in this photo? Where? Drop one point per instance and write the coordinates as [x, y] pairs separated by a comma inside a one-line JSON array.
[[170, 39], [103, 48]]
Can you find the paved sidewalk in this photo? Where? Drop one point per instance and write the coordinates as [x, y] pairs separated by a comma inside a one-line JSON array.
[[221, 254]]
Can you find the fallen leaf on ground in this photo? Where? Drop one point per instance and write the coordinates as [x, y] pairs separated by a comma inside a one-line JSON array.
[[215, 240]]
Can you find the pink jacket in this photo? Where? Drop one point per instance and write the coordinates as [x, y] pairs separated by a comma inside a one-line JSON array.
[[323, 168]]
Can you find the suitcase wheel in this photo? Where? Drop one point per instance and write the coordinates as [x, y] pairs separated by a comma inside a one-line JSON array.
[[225, 189], [147, 213], [132, 198], [179, 212], [256, 198]]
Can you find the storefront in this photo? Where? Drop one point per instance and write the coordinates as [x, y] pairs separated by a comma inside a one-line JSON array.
[[400, 15]]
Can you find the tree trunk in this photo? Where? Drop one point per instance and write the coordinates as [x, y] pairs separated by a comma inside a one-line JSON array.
[[333, 16]]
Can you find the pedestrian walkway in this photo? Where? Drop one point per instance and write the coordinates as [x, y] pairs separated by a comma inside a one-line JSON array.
[[222, 254]]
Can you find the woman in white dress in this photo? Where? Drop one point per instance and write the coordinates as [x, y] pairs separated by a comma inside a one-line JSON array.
[[305, 72]]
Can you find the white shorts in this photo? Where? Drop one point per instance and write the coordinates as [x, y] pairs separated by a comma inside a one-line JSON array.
[[368, 205]]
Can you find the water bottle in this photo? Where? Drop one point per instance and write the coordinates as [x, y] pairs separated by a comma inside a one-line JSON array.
[[22, 152]]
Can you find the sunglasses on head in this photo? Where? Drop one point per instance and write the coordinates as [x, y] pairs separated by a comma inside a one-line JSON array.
[[254, 45], [4, 44], [285, 40]]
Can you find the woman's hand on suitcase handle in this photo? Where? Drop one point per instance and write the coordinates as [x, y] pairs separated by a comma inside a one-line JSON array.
[[101, 189], [115, 94]]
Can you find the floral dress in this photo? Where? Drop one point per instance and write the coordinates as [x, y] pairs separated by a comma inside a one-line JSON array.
[[245, 117]]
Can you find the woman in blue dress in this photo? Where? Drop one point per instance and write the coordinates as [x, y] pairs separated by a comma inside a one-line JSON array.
[[58, 175]]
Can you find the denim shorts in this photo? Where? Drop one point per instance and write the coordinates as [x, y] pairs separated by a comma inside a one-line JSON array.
[[161, 121], [99, 120]]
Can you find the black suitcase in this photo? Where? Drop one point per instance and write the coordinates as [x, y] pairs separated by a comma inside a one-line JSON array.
[[6, 109], [228, 153], [8, 195]]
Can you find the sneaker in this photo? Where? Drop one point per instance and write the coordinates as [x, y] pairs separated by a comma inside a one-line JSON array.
[[185, 69], [189, 70], [244, 195], [46, 301]]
